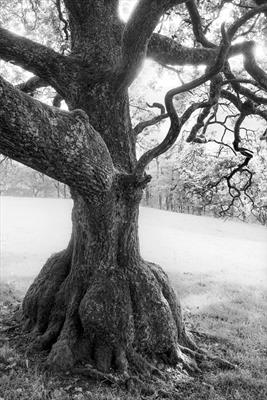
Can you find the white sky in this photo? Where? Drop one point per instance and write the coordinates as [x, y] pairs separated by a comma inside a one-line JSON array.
[[125, 8]]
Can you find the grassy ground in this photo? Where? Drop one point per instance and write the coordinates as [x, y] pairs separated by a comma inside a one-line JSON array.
[[226, 307], [235, 330]]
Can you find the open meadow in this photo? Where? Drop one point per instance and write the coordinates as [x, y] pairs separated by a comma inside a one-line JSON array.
[[218, 269]]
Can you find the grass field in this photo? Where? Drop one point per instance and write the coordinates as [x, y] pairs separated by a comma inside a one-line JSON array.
[[218, 268]]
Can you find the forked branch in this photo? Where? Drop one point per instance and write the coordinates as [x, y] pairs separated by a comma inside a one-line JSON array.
[[168, 51], [214, 95], [175, 127], [137, 33], [153, 121]]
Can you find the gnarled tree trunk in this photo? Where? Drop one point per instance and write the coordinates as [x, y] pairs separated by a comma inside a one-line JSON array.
[[98, 300]]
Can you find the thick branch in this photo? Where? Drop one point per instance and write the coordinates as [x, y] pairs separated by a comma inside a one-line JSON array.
[[259, 3], [197, 24], [236, 143], [242, 20], [57, 100], [78, 9], [165, 50], [31, 85], [60, 144], [42, 61], [168, 51], [137, 33]]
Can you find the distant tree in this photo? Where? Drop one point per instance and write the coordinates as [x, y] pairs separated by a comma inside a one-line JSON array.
[[196, 180], [18, 180], [98, 300]]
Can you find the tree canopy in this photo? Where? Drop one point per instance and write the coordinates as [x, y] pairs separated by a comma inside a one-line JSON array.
[[170, 33]]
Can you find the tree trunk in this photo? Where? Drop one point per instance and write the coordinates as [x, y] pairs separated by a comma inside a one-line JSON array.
[[98, 300]]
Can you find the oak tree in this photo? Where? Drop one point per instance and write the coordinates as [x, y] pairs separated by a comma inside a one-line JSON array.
[[98, 300]]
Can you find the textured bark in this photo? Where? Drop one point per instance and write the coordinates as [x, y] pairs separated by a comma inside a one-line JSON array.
[[62, 145], [98, 300], [165, 50], [49, 65]]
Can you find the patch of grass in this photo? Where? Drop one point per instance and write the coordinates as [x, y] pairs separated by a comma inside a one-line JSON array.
[[19, 381], [33, 386], [234, 318], [240, 385]]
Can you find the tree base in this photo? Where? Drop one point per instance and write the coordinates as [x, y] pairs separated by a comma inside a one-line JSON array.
[[117, 325], [110, 319]]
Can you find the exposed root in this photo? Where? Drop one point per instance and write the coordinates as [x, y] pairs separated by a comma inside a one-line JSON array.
[[140, 365], [189, 363], [201, 356], [43, 342], [128, 321], [195, 354], [60, 357], [132, 383], [220, 362], [97, 375], [40, 299]]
